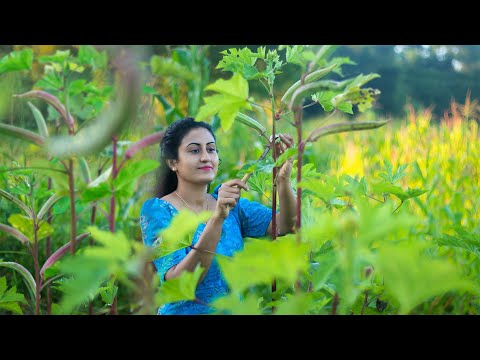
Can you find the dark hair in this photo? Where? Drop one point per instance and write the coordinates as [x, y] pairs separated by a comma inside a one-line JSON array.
[[167, 179]]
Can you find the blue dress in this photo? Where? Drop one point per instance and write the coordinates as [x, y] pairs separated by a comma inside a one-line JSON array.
[[246, 219]]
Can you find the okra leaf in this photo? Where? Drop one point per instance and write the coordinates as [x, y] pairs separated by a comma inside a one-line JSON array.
[[231, 98]]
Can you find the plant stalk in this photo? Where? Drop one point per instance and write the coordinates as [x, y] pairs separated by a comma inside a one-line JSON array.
[[48, 253], [113, 310], [35, 260], [73, 220], [274, 184]]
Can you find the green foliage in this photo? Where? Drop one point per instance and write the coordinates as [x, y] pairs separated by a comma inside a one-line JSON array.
[[412, 277], [299, 304], [172, 113], [42, 126], [378, 224], [303, 55], [178, 289], [58, 59], [179, 233], [26, 226], [397, 191], [116, 247], [96, 193], [232, 304], [262, 261], [88, 55], [324, 98], [29, 280], [109, 292], [259, 182], [290, 153], [97, 135], [9, 299], [391, 177], [355, 95], [16, 201], [16, 61], [463, 240], [325, 263], [231, 98], [347, 107], [52, 80], [242, 61], [93, 266], [306, 87], [327, 190], [168, 67], [88, 273], [132, 171]]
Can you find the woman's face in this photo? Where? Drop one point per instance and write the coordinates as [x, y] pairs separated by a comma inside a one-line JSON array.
[[197, 157]]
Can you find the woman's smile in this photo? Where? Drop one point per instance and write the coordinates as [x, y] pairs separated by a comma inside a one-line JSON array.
[[206, 168]]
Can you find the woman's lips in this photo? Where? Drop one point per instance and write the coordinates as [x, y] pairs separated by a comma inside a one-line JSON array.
[[208, 168]]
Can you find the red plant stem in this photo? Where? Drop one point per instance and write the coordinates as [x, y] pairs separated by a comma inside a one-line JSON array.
[[35, 261], [58, 254], [91, 242], [48, 253], [113, 310], [365, 303], [301, 148], [114, 175], [73, 221], [274, 186], [55, 103], [37, 276], [335, 304]]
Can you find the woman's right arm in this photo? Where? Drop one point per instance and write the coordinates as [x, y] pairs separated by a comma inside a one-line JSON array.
[[204, 250]]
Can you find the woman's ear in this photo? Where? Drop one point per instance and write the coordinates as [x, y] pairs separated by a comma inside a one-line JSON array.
[[172, 165]]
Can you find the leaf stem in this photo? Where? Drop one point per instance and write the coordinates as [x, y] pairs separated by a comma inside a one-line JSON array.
[[398, 207]]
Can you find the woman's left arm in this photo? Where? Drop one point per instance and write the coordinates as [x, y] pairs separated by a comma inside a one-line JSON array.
[[286, 218]]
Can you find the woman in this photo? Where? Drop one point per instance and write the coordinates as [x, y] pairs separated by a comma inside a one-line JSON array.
[[189, 158]]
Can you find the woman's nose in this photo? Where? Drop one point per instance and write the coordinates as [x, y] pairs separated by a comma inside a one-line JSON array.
[[205, 156]]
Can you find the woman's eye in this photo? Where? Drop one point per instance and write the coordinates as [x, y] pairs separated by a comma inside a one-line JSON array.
[[194, 151], [212, 150]]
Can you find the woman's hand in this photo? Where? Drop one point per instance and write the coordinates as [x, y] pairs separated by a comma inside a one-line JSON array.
[[282, 146], [228, 195]]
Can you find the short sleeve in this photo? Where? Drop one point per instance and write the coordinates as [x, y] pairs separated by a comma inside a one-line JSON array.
[[254, 218], [155, 216]]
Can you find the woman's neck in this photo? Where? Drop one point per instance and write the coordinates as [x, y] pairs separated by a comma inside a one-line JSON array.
[[193, 194]]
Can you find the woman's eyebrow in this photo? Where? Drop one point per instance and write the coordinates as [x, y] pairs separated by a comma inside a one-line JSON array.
[[200, 144]]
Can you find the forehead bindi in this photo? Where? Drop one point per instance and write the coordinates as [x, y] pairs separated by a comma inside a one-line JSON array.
[[198, 136]]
